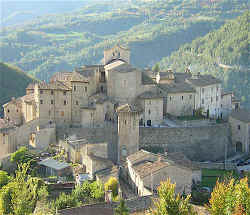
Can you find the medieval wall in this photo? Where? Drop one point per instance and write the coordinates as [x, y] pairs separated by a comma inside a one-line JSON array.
[[197, 143], [105, 133]]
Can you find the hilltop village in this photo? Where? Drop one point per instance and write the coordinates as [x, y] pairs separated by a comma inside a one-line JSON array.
[[112, 118]]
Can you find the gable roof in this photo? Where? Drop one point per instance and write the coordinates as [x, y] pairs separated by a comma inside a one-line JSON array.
[[56, 85], [155, 92], [242, 115], [177, 88], [128, 108], [203, 80]]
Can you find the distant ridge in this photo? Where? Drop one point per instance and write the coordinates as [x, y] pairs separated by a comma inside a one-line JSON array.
[[13, 82]]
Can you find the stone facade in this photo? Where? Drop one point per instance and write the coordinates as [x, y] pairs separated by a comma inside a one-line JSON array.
[[240, 129], [146, 170], [208, 94], [197, 143]]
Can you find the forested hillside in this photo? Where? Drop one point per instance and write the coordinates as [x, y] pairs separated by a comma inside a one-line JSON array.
[[13, 83], [152, 29], [223, 53]]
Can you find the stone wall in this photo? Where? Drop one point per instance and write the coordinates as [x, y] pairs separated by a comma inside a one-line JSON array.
[[107, 132], [197, 143]]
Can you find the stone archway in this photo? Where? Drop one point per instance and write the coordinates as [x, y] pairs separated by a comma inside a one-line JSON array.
[[239, 147]]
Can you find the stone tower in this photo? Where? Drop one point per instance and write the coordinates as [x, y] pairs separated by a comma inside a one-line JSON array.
[[128, 131], [116, 53]]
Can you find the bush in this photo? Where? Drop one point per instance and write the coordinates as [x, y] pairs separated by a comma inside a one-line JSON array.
[[112, 184], [230, 197], [168, 203]]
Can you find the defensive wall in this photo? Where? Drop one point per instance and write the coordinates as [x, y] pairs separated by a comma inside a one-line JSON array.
[[106, 132], [209, 142]]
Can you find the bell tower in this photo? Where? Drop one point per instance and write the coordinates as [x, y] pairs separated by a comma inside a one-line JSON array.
[[116, 53], [128, 131]]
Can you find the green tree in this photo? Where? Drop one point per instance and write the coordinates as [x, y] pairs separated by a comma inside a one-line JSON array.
[[169, 203], [4, 178], [20, 195], [156, 68], [97, 190], [230, 197], [19, 156], [112, 184], [121, 208]]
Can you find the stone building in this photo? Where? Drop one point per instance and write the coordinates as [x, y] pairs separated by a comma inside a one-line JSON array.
[[208, 94], [146, 170], [240, 128], [92, 95], [128, 131], [93, 156], [7, 138]]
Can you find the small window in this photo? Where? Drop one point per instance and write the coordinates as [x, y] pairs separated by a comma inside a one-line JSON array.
[[149, 111], [202, 101], [170, 98], [64, 93], [86, 89], [74, 88], [182, 97], [125, 122], [41, 92], [211, 99], [190, 96], [77, 103], [238, 127], [41, 102], [52, 92], [8, 110], [113, 54], [124, 151], [221, 105], [52, 102], [64, 102], [124, 83], [17, 110]]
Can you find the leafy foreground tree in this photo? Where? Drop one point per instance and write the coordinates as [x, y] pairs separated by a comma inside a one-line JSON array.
[[232, 197], [169, 203], [4, 178], [122, 208], [20, 195]]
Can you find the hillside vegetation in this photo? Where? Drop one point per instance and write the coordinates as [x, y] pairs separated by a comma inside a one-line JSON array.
[[13, 82], [223, 53], [152, 29]]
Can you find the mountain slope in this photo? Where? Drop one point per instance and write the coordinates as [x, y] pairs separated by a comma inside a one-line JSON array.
[[152, 29], [223, 53], [12, 83]]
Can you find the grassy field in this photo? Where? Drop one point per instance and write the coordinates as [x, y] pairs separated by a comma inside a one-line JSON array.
[[210, 176]]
